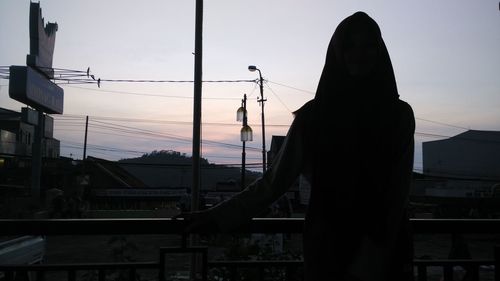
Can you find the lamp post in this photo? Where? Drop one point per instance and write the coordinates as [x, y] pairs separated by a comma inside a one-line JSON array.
[[245, 135], [253, 68]]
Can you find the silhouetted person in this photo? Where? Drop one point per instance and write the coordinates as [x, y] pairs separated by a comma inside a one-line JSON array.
[[354, 143]]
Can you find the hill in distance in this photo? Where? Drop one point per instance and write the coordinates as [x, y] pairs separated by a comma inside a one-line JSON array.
[[172, 169]]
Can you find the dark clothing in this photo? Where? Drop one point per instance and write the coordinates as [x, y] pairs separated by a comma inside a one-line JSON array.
[[346, 223], [359, 209], [354, 143]]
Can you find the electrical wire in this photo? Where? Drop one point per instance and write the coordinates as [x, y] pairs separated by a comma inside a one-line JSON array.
[[290, 87], [145, 94], [277, 97], [442, 123], [187, 123], [172, 136], [70, 76]]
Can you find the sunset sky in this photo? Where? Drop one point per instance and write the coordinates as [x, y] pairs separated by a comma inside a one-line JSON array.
[[446, 57]]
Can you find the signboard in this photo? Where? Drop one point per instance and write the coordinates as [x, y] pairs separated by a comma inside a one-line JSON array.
[[42, 41], [31, 86], [28, 86]]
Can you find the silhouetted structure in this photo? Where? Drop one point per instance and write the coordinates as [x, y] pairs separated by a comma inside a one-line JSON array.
[[472, 154], [17, 135]]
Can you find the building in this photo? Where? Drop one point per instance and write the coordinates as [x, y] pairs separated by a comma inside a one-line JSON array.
[[276, 143], [473, 154], [17, 131], [16, 135], [461, 175], [298, 194]]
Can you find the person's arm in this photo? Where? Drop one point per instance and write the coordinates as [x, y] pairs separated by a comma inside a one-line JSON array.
[[275, 182], [401, 170]]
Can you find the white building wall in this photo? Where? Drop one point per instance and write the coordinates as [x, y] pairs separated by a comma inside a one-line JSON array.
[[7, 142]]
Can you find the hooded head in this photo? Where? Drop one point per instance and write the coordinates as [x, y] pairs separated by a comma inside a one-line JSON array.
[[357, 63]]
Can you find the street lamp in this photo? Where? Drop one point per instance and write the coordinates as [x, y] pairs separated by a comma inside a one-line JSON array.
[[245, 135], [253, 68]]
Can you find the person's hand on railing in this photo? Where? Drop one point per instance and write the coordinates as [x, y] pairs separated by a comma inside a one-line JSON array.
[[198, 222]]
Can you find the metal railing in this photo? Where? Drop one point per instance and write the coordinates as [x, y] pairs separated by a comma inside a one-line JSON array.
[[38, 272], [259, 225]]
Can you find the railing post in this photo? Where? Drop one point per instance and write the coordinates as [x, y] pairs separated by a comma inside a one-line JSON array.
[[189, 250], [102, 275], [184, 240], [474, 271], [448, 272], [288, 274], [234, 272], [205, 266], [497, 262], [71, 275], [411, 244], [40, 275], [422, 273], [9, 275], [131, 275]]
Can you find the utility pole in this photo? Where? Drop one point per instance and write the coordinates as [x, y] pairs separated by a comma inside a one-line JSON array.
[[195, 189], [261, 101], [85, 140]]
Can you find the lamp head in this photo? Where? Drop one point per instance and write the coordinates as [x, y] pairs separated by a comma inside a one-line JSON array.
[[246, 133], [240, 114], [252, 68]]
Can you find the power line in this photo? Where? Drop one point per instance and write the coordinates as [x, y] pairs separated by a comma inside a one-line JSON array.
[[422, 119], [294, 88], [253, 90], [187, 123], [99, 147], [430, 135], [209, 165], [71, 76], [64, 72], [135, 131], [186, 140], [188, 165], [441, 123], [277, 97], [177, 137], [146, 94], [176, 81], [135, 136], [231, 157], [104, 149]]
